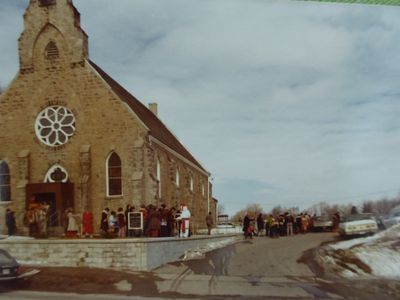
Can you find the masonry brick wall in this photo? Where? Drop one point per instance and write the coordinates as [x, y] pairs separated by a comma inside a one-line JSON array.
[[135, 254]]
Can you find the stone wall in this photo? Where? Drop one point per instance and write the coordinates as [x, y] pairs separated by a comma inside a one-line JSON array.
[[176, 191], [134, 254]]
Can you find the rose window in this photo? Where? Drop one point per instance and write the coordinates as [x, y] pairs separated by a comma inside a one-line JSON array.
[[55, 125]]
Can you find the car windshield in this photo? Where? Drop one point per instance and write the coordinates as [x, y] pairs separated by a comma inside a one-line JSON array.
[[358, 217], [5, 258]]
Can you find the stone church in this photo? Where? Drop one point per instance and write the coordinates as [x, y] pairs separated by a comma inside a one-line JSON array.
[[71, 136]]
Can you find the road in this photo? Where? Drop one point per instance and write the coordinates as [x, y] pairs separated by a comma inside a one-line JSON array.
[[261, 268]]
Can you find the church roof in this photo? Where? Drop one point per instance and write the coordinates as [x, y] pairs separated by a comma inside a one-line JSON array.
[[157, 129]]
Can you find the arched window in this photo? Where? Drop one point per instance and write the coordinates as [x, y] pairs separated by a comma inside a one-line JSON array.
[[203, 190], [177, 177], [5, 187], [191, 182], [51, 51], [114, 175], [56, 174], [158, 176]]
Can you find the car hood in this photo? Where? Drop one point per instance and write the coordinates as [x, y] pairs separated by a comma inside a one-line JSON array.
[[358, 223]]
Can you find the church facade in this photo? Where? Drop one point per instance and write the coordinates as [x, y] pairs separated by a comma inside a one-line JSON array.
[[73, 137]]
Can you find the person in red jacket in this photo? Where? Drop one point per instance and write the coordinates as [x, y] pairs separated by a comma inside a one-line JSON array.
[[87, 223]]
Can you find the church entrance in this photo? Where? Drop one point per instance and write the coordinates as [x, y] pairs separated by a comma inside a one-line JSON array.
[[59, 196]]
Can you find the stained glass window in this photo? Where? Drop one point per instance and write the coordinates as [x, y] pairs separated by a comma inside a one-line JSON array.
[[114, 175], [56, 174], [55, 125], [158, 174], [177, 178], [191, 182]]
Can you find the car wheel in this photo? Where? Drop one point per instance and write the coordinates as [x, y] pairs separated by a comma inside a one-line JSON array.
[[23, 283]]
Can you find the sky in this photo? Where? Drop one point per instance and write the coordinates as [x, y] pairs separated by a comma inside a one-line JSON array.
[[285, 102]]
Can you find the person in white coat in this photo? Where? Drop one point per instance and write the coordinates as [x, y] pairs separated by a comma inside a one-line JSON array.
[[185, 221], [73, 228]]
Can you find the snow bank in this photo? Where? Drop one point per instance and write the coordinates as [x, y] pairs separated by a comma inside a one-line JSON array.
[[376, 256], [383, 261], [200, 252], [16, 238], [392, 233]]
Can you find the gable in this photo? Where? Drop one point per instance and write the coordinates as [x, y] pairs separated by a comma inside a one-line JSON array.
[[156, 128]]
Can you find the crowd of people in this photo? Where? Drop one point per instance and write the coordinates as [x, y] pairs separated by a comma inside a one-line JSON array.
[[36, 218], [155, 222], [286, 224]]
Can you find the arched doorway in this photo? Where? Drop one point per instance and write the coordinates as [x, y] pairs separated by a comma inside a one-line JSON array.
[[59, 196], [56, 191]]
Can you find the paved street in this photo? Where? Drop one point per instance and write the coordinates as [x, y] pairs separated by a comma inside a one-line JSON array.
[[261, 268]]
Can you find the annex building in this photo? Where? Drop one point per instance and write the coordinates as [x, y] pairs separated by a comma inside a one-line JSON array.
[[71, 136]]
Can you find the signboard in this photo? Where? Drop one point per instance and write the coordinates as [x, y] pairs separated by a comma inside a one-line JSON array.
[[135, 220]]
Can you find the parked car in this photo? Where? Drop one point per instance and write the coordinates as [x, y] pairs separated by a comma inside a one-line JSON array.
[[11, 271], [358, 224], [392, 219], [322, 223], [9, 267]]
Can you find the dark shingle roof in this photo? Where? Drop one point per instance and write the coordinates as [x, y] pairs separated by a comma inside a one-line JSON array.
[[157, 129]]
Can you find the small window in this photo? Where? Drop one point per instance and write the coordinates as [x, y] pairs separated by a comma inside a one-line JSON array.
[[177, 177], [203, 190], [114, 175], [191, 182], [5, 187], [51, 51], [158, 175]]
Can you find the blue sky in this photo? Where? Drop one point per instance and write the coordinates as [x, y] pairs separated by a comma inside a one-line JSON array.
[[286, 102]]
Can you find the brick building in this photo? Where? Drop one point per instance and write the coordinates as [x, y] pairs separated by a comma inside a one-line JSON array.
[[72, 136]]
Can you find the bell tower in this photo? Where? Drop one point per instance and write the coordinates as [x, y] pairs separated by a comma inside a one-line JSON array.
[[52, 35]]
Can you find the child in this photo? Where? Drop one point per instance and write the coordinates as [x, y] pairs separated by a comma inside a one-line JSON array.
[[250, 230]]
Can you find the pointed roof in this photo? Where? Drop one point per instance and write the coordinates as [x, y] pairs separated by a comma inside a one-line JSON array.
[[156, 128]]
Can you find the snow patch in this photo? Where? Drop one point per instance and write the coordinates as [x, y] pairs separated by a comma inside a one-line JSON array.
[[16, 238], [200, 252], [384, 262], [377, 256], [123, 286]]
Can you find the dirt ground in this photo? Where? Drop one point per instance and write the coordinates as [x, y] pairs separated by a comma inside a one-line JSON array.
[[90, 281]]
